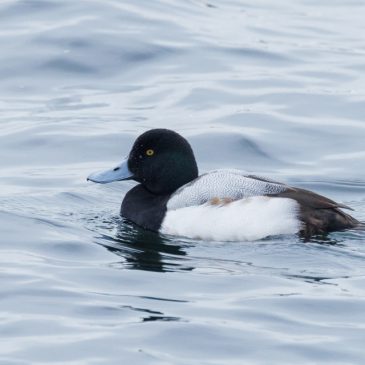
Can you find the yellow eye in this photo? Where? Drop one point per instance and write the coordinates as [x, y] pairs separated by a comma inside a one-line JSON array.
[[150, 152]]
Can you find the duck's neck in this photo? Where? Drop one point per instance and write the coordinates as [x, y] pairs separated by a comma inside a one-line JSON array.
[[144, 208]]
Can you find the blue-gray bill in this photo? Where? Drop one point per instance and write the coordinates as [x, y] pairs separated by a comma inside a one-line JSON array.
[[120, 172]]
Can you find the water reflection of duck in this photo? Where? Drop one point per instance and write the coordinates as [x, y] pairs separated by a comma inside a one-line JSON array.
[[222, 205], [145, 250]]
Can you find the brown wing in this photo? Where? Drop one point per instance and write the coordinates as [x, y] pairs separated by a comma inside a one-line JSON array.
[[310, 199], [303, 196], [318, 213]]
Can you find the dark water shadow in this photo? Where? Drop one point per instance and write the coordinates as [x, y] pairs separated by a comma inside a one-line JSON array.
[[339, 238], [149, 315], [325, 239], [145, 250], [315, 279]]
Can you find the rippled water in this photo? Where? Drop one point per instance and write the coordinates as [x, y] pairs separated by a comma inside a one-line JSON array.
[[275, 88]]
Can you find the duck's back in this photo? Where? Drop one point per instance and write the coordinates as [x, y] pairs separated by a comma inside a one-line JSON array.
[[226, 184]]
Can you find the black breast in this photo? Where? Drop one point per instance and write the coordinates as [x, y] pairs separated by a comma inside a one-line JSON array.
[[144, 208]]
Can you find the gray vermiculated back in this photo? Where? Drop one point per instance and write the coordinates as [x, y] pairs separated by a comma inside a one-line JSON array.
[[225, 183]]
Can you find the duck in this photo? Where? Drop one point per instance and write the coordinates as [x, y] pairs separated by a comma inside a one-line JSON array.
[[222, 205]]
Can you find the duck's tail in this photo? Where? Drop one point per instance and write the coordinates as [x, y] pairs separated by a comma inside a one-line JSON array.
[[319, 214], [320, 221], [360, 226]]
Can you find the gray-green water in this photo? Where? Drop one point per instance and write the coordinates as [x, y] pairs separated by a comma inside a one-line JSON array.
[[275, 88]]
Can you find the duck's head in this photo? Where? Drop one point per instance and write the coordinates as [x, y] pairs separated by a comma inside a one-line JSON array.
[[160, 159]]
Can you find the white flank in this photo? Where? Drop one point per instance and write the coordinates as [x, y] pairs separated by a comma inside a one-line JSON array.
[[247, 219]]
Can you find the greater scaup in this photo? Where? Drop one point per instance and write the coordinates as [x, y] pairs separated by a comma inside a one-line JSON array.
[[222, 205]]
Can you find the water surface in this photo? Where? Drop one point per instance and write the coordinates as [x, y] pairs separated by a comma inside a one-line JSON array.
[[276, 89]]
